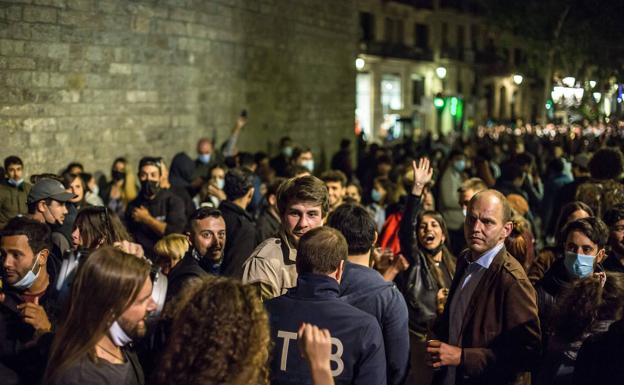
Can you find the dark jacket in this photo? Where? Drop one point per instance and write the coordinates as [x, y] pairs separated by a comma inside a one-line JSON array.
[[548, 289], [366, 289], [500, 335], [600, 360], [187, 269], [267, 225], [240, 238], [18, 354], [357, 341], [417, 283], [612, 263], [12, 200], [166, 207]]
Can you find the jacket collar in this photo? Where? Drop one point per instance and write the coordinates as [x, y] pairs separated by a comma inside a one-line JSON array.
[[288, 250], [230, 206], [315, 286]]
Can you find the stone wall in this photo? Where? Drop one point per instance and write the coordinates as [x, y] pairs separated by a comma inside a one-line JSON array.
[[91, 80]]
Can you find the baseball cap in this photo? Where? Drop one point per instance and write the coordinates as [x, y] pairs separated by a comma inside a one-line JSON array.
[[49, 188]]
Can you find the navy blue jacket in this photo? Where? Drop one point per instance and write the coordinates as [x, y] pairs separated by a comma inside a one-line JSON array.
[[366, 289], [357, 343]]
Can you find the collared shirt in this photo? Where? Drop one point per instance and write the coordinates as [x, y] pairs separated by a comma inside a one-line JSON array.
[[469, 282]]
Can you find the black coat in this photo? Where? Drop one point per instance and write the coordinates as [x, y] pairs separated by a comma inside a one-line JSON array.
[[240, 238]]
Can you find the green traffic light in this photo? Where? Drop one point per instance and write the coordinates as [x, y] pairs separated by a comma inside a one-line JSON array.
[[438, 103]]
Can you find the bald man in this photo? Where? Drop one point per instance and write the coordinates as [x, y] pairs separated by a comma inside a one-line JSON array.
[[489, 332]]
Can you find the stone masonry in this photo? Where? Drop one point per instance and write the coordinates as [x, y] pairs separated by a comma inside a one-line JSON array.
[[91, 80]]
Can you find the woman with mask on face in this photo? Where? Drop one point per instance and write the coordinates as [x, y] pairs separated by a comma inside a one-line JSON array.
[[122, 189], [382, 189], [211, 193], [426, 281], [92, 194]]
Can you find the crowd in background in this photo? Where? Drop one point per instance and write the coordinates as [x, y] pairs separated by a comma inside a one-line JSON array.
[[364, 264]]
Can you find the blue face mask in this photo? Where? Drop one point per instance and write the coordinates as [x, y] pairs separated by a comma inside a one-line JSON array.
[[459, 165], [579, 265], [29, 279], [375, 195], [204, 158], [287, 151], [220, 183]]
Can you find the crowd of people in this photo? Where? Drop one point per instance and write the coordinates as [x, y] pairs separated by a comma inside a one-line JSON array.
[[496, 259]]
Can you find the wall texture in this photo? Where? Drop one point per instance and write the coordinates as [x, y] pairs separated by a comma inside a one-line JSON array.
[[91, 80]]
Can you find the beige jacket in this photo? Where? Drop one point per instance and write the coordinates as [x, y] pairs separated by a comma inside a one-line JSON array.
[[271, 267]]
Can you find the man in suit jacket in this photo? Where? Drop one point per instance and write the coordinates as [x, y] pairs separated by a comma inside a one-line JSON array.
[[489, 332]]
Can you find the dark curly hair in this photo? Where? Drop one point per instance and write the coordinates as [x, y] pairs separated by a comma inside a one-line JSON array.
[[607, 163], [587, 301], [220, 335]]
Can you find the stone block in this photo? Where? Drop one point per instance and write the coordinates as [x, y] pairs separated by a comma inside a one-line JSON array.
[[21, 63], [39, 14]]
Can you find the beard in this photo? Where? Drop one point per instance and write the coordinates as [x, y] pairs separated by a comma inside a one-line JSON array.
[[133, 329]]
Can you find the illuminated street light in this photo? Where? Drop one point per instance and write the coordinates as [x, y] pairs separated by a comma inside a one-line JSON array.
[[359, 63], [597, 96], [517, 78], [569, 81], [441, 72], [592, 83]]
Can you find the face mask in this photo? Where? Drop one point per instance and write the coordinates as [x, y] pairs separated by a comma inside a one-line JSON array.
[[309, 164], [464, 211], [434, 251], [287, 151], [118, 175], [375, 195], [204, 158], [29, 279], [95, 190], [459, 165], [220, 183], [149, 188], [14, 182], [579, 265], [118, 335]]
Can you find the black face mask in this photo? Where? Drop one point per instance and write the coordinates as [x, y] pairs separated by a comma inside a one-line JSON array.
[[434, 251], [149, 188], [118, 175]]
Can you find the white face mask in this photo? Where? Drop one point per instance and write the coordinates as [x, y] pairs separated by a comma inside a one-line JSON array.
[[29, 279], [220, 183], [95, 190], [309, 164], [118, 335]]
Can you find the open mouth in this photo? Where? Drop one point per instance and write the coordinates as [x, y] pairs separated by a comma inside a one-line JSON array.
[[429, 238]]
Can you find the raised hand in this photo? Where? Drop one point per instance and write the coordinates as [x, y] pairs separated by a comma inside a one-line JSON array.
[[422, 175]]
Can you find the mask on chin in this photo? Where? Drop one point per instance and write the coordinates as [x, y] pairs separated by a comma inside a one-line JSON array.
[[29, 279], [204, 158], [434, 251], [15, 183], [118, 335]]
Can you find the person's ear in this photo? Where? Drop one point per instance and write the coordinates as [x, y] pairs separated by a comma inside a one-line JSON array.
[[375, 238], [250, 193], [339, 271], [272, 199], [44, 253], [41, 206], [507, 228], [601, 255]]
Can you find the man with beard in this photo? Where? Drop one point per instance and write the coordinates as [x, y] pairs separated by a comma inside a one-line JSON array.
[[614, 218], [13, 190], [207, 238], [155, 212], [27, 301], [110, 300]]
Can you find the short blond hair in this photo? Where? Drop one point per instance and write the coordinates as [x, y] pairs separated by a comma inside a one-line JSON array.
[[172, 248]]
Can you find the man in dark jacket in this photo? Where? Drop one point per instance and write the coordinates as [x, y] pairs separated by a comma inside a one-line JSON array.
[[489, 332], [584, 244], [28, 305], [207, 239], [239, 224], [614, 218], [155, 212], [13, 190], [366, 289], [358, 355]]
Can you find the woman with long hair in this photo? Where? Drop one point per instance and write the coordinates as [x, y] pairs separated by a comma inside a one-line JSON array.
[[425, 283], [97, 226], [219, 335], [122, 189], [109, 300]]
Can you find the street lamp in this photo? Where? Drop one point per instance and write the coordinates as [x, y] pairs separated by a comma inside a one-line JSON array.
[[597, 96], [569, 81], [517, 78], [592, 84], [441, 72], [359, 63]]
